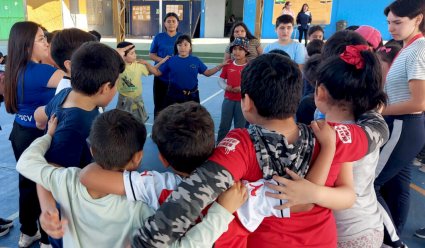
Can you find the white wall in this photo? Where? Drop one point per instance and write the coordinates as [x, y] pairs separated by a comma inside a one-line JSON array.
[[214, 18]]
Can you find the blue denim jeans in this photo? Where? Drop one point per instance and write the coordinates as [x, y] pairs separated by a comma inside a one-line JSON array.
[[392, 185], [230, 111]]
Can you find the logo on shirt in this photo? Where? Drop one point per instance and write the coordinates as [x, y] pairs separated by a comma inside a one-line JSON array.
[[255, 188], [344, 133], [145, 173], [229, 144]]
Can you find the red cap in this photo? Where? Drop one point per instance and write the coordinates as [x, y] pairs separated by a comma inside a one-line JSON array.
[[372, 35]]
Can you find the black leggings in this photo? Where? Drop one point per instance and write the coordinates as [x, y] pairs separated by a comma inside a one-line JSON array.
[[29, 208], [160, 88], [302, 32]]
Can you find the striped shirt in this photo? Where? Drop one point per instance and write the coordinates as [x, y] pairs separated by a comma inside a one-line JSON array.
[[409, 65]]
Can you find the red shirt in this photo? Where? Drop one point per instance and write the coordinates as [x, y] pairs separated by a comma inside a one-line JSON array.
[[315, 228], [232, 72]]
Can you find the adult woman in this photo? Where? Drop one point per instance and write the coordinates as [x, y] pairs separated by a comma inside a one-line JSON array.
[[286, 10], [28, 85], [161, 47], [303, 22], [240, 30], [405, 87]]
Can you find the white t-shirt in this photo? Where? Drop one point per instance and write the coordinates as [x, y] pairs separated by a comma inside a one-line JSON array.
[[409, 65], [63, 84], [153, 188]]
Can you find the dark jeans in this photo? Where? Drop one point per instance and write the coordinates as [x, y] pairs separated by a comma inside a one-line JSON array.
[[302, 32], [392, 185], [159, 94], [230, 111], [29, 207]]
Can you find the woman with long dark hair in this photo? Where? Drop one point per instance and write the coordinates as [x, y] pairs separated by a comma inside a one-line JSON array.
[[161, 47], [405, 87], [240, 30], [303, 21], [28, 85]]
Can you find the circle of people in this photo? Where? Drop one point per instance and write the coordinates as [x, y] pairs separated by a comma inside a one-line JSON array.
[[311, 160]]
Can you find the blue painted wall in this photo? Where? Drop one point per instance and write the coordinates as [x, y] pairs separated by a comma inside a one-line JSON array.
[[355, 12]]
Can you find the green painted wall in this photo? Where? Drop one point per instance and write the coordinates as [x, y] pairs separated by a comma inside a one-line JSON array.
[[11, 11]]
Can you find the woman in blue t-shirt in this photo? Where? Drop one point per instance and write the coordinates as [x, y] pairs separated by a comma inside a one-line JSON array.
[[28, 85], [161, 47], [182, 70]]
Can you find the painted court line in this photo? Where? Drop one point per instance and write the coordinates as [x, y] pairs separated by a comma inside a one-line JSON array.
[[212, 96], [420, 190]]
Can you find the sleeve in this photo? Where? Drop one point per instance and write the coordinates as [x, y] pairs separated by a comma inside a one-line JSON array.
[[184, 206], [165, 68], [154, 45], [376, 129], [256, 43], [204, 234], [416, 65], [45, 72], [258, 206], [34, 166], [298, 19], [223, 73], [310, 18], [148, 185], [202, 67], [300, 54], [143, 69], [267, 49]]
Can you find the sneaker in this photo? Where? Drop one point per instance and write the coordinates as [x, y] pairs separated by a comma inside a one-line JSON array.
[[422, 168], [25, 240], [4, 231], [420, 233], [43, 245], [6, 223], [417, 162]]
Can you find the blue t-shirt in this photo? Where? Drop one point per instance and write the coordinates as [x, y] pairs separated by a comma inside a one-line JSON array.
[[32, 92], [163, 45], [69, 147], [183, 72], [296, 50]]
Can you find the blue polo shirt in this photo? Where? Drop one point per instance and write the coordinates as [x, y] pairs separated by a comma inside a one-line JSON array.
[[163, 45], [183, 72], [32, 92], [69, 146]]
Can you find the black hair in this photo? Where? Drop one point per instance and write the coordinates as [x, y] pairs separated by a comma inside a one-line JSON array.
[[180, 39], [123, 44], [394, 42], [352, 28], [184, 134], [281, 52], [96, 34], [302, 8], [273, 82], [249, 35], [284, 19], [388, 52], [65, 42], [50, 35], [336, 44], [315, 47], [310, 69], [115, 136], [315, 28], [94, 64], [408, 8], [287, 3], [361, 89], [4, 60]]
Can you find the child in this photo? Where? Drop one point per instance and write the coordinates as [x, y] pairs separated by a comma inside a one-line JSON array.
[[266, 149], [386, 55], [130, 82], [371, 35], [284, 28], [63, 45], [316, 33], [183, 69], [96, 219], [230, 81], [314, 47]]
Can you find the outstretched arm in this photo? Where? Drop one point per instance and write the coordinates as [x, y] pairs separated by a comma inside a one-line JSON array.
[[214, 70], [184, 205]]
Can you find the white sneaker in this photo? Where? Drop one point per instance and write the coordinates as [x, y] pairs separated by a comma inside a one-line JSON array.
[[25, 240], [4, 231], [417, 163], [422, 168], [42, 245]]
